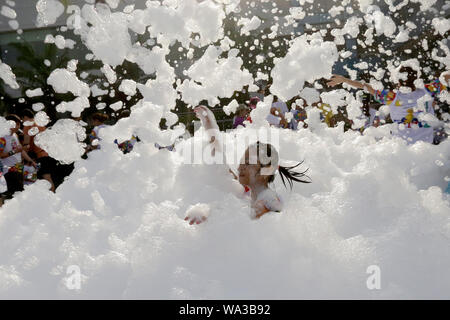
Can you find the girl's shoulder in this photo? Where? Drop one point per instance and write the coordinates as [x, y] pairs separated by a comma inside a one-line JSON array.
[[272, 201]]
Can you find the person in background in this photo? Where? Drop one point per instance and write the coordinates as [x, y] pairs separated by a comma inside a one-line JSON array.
[[276, 117], [3, 185], [11, 153], [171, 147], [370, 110], [30, 169], [326, 114], [262, 89], [299, 116], [98, 122], [242, 114], [47, 165], [404, 102], [253, 102], [439, 135], [127, 145]]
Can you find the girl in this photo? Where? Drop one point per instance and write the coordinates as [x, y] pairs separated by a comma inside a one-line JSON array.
[[256, 170], [256, 174]]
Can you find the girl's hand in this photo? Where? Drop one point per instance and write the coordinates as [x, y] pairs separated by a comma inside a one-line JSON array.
[[260, 209], [197, 213], [336, 80], [206, 116], [209, 123], [196, 220]]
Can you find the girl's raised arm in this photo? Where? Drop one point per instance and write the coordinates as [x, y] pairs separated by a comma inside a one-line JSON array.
[[209, 122]]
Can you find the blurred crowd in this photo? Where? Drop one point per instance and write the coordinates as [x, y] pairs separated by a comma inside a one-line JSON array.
[[23, 161]]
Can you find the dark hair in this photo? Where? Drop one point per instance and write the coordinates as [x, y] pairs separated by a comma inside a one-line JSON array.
[[286, 173], [410, 77], [290, 175], [16, 119], [32, 155], [100, 117], [13, 117], [27, 113]]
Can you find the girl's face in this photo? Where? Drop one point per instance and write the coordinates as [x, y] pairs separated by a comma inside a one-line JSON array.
[[248, 173], [249, 170]]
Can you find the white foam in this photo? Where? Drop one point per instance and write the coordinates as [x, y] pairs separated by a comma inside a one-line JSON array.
[[8, 76], [48, 12], [305, 61]]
